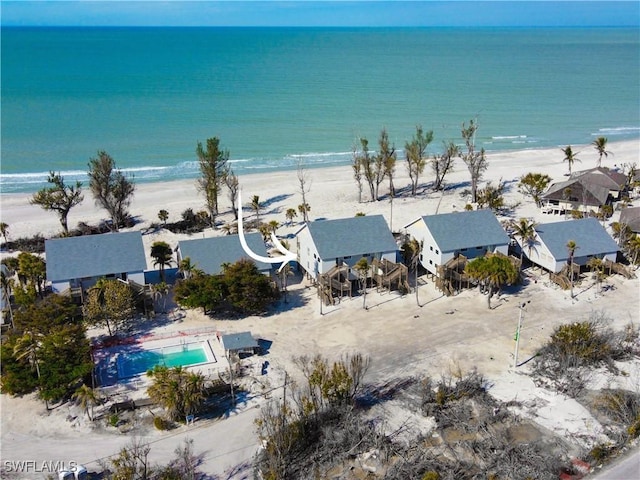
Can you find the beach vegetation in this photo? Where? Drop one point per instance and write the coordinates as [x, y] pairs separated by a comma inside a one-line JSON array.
[[366, 162], [256, 206], [492, 196], [387, 159], [600, 144], [4, 230], [362, 267], [233, 185], [111, 304], [304, 209], [525, 230], [476, 161], [492, 273], [576, 348], [290, 214], [32, 271], [411, 251], [132, 463], [59, 197], [304, 184], [570, 157], [179, 391], [111, 189], [47, 350], [240, 288], [571, 246], [534, 185], [213, 169], [87, 398], [442, 164], [162, 255], [163, 216], [416, 156], [356, 167]]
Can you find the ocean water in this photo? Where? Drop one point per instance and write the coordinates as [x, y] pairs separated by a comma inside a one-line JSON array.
[[278, 96]]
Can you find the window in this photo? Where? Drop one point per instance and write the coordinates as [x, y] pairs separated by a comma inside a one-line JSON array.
[[430, 262], [463, 249], [437, 252], [431, 248]]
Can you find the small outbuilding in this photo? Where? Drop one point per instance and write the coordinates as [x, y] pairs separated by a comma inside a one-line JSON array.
[[630, 217], [239, 343]]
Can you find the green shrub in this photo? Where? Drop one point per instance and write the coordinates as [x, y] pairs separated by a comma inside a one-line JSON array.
[[602, 452], [634, 429], [114, 420], [161, 423], [431, 475]]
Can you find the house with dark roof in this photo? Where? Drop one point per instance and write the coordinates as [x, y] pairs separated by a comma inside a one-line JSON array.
[[549, 248], [471, 233], [209, 254], [584, 190], [325, 244], [630, 216], [79, 262]]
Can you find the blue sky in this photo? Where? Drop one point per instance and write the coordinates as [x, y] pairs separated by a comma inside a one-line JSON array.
[[319, 13]]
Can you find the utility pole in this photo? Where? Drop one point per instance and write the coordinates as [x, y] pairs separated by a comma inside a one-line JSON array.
[[515, 355]]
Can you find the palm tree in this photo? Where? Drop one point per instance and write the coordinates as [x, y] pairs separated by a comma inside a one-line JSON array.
[[570, 157], [255, 206], [621, 232], [304, 209], [414, 249], [633, 246], [492, 273], [87, 398], [525, 230], [362, 268], [283, 274], [179, 391], [27, 347], [600, 144], [162, 255], [273, 226], [160, 291], [186, 267], [6, 285], [4, 230], [571, 247], [163, 216], [597, 267], [290, 214]]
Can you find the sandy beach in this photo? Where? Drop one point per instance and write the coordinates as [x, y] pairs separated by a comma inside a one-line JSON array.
[[402, 338]]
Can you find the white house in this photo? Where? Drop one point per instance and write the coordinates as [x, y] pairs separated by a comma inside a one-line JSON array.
[[549, 248], [324, 244], [209, 254], [78, 262], [471, 233]]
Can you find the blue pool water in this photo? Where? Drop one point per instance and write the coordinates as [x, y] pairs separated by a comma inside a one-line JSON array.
[[134, 363]]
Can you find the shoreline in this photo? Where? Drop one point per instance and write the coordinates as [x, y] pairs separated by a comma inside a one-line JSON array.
[[280, 190]]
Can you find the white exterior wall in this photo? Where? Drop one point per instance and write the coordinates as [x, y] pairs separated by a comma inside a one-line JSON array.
[[137, 277], [58, 287], [306, 252], [432, 254]]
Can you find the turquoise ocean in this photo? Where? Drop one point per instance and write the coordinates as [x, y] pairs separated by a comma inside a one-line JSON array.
[[277, 96]]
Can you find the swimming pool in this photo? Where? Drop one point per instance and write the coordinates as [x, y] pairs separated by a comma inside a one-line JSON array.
[[131, 364]]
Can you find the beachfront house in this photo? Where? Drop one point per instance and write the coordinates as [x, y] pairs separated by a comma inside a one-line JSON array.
[[209, 254], [549, 247], [630, 217], [584, 191], [325, 244], [79, 262], [445, 236]]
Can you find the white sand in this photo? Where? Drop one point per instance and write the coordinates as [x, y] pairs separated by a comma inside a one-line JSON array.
[[401, 338]]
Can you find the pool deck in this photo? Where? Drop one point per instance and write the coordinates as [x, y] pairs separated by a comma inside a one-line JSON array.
[[106, 358]]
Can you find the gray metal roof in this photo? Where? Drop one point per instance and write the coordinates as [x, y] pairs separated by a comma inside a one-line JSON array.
[[94, 255], [590, 237], [581, 190], [239, 341], [467, 229], [352, 236], [208, 254], [631, 216], [603, 176]]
